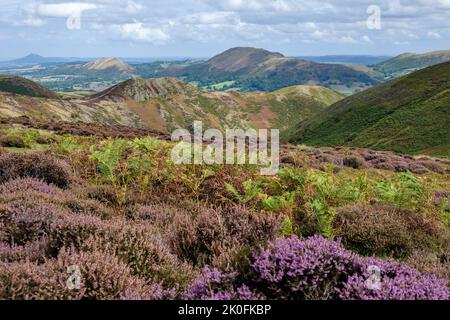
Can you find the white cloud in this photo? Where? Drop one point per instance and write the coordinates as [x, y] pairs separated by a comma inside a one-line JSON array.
[[433, 35], [133, 7], [224, 23], [444, 4], [33, 22], [63, 9], [138, 32], [347, 39], [258, 5], [219, 17], [366, 39]]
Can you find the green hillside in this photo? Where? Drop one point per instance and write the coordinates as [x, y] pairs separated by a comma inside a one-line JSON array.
[[409, 62], [409, 115], [23, 86]]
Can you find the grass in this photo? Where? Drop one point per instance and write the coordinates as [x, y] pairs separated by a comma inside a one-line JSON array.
[[222, 85]]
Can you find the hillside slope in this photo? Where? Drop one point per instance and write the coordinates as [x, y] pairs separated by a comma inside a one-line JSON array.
[[251, 69], [109, 64], [23, 86], [167, 103], [410, 115], [409, 62]]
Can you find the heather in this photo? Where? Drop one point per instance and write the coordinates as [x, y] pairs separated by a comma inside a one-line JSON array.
[[35, 165], [139, 227], [387, 230], [316, 268]]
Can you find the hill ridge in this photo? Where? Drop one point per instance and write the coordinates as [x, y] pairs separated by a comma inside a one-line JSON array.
[[102, 64], [23, 86]]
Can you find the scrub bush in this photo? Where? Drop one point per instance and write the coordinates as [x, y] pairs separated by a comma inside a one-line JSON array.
[[35, 165], [387, 230], [12, 142]]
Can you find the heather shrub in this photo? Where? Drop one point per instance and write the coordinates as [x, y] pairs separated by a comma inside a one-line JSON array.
[[354, 162], [136, 245], [397, 282], [437, 263], [102, 277], [35, 165], [87, 206], [27, 185], [154, 291], [25, 189], [205, 235], [400, 166], [387, 230], [316, 268], [45, 140], [384, 166], [26, 221], [292, 269], [102, 193], [216, 285], [432, 166], [145, 253], [417, 168], [442, 198], [29, 281], [34, 251], [12, 142]]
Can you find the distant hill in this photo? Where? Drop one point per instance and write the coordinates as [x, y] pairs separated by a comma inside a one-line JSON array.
[[167, 103], [23, 86], [33, 59], [242, 60], [251, 69], [409, 115], [30, 59], [409, 62], [109, 64], [92, 76]]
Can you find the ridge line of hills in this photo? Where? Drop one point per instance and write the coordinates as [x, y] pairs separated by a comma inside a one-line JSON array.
[[240, 69], [168, 103]]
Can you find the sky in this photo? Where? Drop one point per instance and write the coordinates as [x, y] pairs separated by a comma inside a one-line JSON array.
[[203, 28]]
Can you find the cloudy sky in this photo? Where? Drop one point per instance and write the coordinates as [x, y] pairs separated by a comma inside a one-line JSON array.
[[202, 28]]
